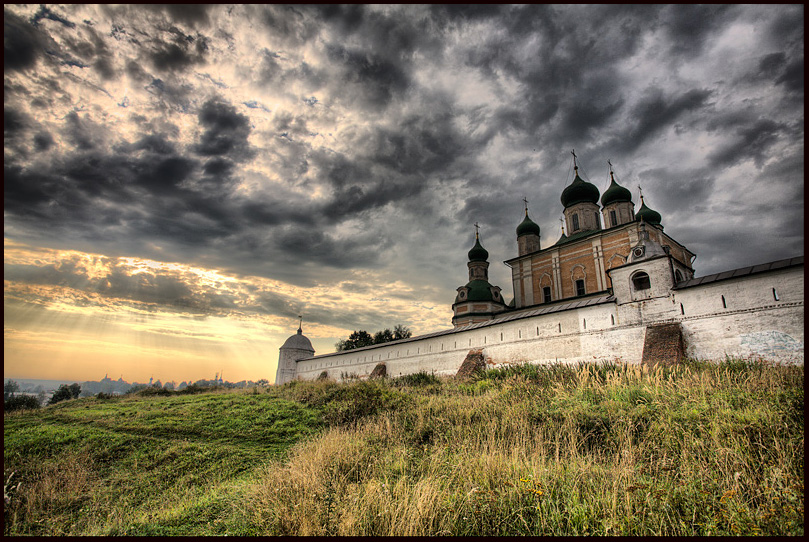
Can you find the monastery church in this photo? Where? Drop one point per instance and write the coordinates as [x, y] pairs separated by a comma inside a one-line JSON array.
[[613, 287]]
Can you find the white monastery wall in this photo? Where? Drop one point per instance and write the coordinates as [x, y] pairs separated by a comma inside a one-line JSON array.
[[751, 323]]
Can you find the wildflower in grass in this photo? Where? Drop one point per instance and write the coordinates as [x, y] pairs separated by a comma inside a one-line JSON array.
[[534, 487]]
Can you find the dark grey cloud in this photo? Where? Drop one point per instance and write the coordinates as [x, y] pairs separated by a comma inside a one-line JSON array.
[[681, 190], [656, 112], [375, 79], [183, 52], [753, 140], [226, 131], [43, 141], [690, 26], [793, 76], [22, 43]]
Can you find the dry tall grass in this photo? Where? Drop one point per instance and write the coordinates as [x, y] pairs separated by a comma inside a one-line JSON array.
[[698, 449]]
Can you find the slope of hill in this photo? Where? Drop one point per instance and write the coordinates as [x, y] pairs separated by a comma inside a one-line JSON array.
[[602, 449]]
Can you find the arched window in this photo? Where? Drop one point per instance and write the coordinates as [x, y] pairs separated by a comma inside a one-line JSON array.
[[575, 222], [613, 219], [546, 294], [640, 281], [678, 277], [580, 287]]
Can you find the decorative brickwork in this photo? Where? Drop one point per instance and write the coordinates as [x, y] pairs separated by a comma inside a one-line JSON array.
[[663, 344]]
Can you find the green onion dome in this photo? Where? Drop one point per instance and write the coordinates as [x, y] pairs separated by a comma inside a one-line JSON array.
[[479, 290], [579, 191], [649, 216], [615, 193], [478, 253], [527, 226]]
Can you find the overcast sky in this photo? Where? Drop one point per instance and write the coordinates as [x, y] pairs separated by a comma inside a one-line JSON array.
[[181, 182]]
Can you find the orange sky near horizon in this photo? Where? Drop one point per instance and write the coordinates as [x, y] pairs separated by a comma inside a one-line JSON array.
[[77, 316]]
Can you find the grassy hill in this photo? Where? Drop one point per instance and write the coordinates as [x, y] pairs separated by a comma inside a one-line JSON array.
[[601, 449]]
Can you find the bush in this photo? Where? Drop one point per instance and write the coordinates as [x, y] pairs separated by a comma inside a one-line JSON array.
[[153, 390], [421, 378], [20, 402], [65, 392], [195, 388], [347, 403]]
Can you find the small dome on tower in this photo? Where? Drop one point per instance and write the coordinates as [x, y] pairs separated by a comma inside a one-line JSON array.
[[615, 193], [527, 226], [650, 216], [478, 253], [298, 341], [579, 191]]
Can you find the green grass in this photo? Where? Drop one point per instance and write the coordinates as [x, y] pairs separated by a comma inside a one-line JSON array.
[[143, 465], [605, 449]]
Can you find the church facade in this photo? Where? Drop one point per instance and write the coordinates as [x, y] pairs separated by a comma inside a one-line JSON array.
[[613, 287]]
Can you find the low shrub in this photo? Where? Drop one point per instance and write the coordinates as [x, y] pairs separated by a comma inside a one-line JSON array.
[[421, 378], [20, 402]]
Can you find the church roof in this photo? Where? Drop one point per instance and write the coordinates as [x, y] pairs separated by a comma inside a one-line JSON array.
[[527, 226], [615, 193], [579, 191], [298, 342], [564, 239], [741, 272], [648, 215], [479, 290], [477, 253]]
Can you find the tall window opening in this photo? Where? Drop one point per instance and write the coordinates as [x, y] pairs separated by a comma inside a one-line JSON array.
[[580, 287], [640, 281], [613, 219], [612, 319], [724, 303], [598, 221], [678, 277], [546, 294], [774, 294], [575, 222], [682, 310]]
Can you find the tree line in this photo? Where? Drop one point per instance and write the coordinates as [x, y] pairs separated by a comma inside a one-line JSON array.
[[361, 338]]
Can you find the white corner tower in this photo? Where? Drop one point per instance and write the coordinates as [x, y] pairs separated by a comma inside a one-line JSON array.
[[296, 348]]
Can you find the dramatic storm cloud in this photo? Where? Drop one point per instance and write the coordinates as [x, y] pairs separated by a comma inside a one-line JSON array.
[[208, 173]]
